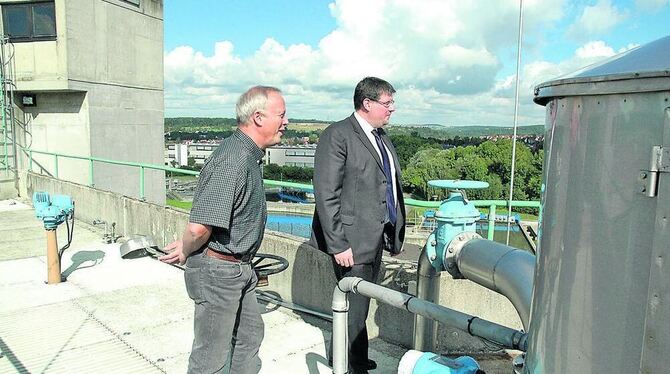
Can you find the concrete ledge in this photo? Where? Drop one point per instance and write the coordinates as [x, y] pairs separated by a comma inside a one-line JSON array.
[[8, 189], [309, 281]]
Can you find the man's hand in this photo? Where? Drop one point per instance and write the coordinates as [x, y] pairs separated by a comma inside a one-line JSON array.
[[175, 253], [345, 259]]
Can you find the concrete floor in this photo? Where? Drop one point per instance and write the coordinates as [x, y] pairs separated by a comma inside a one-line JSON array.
[[118, 316]]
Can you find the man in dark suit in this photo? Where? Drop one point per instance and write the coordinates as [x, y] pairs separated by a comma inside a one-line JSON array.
[[359, 204]]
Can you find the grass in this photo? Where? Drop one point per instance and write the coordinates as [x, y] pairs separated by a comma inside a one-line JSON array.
[[183, 178], [186, 205]]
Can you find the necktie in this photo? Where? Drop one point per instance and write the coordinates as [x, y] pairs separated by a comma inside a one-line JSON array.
[[390, 200]]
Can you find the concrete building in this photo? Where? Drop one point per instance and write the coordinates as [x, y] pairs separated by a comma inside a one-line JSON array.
[[88, 81], [181, 152], [176, 155], [291, 155]]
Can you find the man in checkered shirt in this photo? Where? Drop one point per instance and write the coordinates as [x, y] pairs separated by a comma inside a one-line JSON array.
[[224, 232]]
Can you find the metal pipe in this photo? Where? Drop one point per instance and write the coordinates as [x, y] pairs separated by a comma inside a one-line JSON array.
[[506, 270], [428, 288], [340, 322], [492, 222], [263, 295], [504, 336]]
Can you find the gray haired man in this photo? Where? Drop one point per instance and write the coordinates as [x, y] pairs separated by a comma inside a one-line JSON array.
[[224, 232]]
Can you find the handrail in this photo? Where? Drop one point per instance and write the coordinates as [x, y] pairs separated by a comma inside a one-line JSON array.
[[492, 204]]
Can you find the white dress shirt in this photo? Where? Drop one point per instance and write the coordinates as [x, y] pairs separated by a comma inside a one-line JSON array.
[[367, 130]]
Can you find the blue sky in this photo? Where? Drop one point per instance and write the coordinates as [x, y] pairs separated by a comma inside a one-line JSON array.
[[452, 62]]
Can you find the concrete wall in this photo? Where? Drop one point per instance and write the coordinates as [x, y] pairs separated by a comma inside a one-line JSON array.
[[115, 42], [107, 65], [58, 123], [309, 281], [42, 65], [127, 125]]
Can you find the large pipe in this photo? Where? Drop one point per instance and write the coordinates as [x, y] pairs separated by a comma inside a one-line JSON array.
[[428, 288], [504, 336], [506, 270]]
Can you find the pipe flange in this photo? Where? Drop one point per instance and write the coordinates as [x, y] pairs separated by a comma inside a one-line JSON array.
[[453, 249]]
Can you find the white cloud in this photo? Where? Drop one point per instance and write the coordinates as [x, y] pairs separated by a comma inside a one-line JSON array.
[[594, 49], [596, 20], [442, 57]]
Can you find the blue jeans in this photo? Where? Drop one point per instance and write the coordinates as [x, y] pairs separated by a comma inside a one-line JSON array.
[[227, 317]]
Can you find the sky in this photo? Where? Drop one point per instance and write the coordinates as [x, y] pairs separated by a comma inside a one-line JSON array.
[[451, 62]]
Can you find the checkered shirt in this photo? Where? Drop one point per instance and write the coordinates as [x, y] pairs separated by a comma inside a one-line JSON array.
[[230, 196]]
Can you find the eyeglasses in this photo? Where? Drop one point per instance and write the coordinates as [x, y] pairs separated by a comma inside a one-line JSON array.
[[385, 104]]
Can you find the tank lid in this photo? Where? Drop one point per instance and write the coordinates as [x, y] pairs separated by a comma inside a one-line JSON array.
[[650, 62]]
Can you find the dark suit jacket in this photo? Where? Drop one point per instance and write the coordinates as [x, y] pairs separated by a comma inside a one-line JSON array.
[[350, 193]]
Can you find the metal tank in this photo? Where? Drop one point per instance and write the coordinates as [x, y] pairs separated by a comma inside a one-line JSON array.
[[601, 302]]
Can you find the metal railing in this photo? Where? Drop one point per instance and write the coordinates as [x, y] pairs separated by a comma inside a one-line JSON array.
[[491, 204]]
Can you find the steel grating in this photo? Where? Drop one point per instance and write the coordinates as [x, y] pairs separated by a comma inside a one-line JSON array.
[[65, 338]]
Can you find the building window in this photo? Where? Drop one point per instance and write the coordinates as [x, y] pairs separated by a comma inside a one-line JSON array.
[[27, 22]]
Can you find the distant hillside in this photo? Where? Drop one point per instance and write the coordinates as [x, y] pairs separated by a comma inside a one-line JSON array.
[[450, 132], [205, 124], [492, 130]]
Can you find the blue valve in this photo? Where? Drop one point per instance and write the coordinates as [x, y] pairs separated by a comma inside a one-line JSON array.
[[455, 216], [416, 362], [52, 210]]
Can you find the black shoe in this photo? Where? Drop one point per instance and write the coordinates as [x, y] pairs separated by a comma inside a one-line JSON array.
[[370, 365]]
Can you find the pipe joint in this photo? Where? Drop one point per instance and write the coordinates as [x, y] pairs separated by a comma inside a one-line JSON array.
[[453, 250]]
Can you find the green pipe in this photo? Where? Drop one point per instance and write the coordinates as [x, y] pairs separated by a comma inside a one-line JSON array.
[[56, 165], [492, 222], [142, 182], [30, 162], [4, 114], [90, 173]]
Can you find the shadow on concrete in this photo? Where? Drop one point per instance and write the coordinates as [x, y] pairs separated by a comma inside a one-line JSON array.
[[6, 352], [266, 306], [83, 257], [313, 360]]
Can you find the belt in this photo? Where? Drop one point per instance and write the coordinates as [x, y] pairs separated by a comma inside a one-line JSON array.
[[222, 256]]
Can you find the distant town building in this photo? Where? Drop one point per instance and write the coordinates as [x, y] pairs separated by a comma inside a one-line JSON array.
[[88, 81], [291, 155], [181, 152], [283, 155]]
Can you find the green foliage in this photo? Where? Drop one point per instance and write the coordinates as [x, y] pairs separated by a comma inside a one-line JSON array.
[[406, 145], [489, 162], [288, 173], [186, 205]]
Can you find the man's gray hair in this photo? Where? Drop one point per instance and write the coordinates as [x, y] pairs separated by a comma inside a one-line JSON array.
[[251, 101]]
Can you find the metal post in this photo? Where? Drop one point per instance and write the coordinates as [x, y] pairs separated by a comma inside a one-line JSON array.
[[516, 115], [142, 182], [340, 334], [5, 138], [56, 166], [428, 288], [53, 261], [90, 172], [30, 161], [492, 222]]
